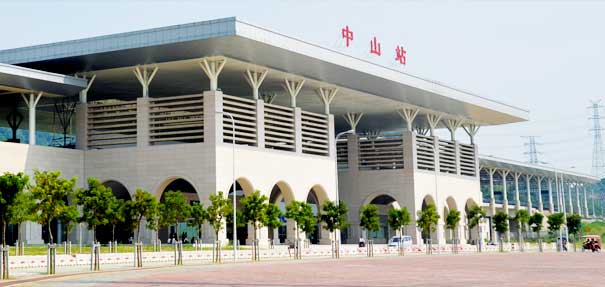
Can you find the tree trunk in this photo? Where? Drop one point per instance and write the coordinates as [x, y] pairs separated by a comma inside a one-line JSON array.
[[94, 235], [199, 233], [176, 227], [113, 233], [50, 234], [138, 228], [3, 233]]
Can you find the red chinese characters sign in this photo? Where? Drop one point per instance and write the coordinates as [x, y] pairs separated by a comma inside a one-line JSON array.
[[375, 48]]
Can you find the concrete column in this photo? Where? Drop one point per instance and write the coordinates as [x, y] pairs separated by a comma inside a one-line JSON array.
[[142, 122], [213, 122], [457, 155], [569, 191], [353, 152], [31, 232], [409, 150], [517, 200], [528, 185], [436, 155], [32, 101], [260, 123], [504, 174], [540, 206], [492, 201], [586, 213], [551, 206], [331, 137], [298, 130], [578, 204], [81, 122]]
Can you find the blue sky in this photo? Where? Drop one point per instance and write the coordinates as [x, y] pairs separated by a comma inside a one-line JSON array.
[[544, 56]]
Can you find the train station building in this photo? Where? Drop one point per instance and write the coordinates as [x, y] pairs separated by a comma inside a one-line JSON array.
[[195, 107]]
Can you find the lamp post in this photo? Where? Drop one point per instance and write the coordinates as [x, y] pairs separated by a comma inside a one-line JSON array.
[[432, 147], [234, 182], [351, 131]]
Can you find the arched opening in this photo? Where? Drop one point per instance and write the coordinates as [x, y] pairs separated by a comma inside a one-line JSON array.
[[316, 198], [282, 195], [122, 231], [58, 229], [425, 234], [384, 203], [187, 233], [470, 234], [242, 189], [449, 206]]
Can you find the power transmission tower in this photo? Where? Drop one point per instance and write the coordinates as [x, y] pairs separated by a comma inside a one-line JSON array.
[[532, 152], [598, 164]]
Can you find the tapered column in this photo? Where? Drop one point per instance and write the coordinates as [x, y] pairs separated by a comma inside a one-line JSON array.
[[570, 204], [585, 202], [145, 76], [326, 95], [540, 206], [551, 206], [212, 67], [528, 186], [517, 199], [492, 200], [31, 103], [504, 174], [255, 79], [260, 123], [579, 208], [142, 122]]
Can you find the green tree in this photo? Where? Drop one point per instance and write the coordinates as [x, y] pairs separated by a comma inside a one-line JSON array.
[[272, 215], [116, 213], [427, 219], [11, 186], [574, 225], [536, 222], [399, 218], [451, 221], [501, 223], [69, 217], [21, 210], [334, 216], [253, 210], [199, 215], [554, 221], [368, 218], [219, 208], [51, 193], [521, 220], [474, 216], [302, 214], [95, 202], [143, 205], [174, 209]]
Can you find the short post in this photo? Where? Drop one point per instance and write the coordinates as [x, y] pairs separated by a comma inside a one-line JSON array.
[[540, 246], [216, 252], [255, 250], [4, 262], [51, 256], [138, 254], [178, 252], [110, 245], [115, 246], [95, 254], [64, 247], [370, 248]]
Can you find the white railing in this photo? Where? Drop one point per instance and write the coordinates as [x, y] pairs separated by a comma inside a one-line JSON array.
[[342, 153], [425, 155], [382, 153], [447, 157], [112, 124], [468, 164], [244, 114], [314, 133], [279, 127], [178, 119]]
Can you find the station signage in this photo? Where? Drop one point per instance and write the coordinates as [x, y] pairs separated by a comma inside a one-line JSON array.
[[399, 53]]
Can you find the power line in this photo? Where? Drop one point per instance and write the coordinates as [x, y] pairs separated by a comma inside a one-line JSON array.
[[598, 164]]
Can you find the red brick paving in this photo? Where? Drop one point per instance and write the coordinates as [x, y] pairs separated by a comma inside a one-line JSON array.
[[550, 269]]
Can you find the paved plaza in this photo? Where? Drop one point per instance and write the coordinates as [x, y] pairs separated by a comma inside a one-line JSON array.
[[549, 269]]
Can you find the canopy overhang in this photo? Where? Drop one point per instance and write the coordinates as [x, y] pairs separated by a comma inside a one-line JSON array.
[[533, 169], [16, 79]]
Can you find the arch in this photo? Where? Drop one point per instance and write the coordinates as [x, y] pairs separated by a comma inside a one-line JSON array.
[[321, 193], [384, 201], [374, 195], [184, 186], [122, 231], [471, 235], [243, 188], [316, 197], [118, 189], [281, 195], [428, 199], [281, 190]]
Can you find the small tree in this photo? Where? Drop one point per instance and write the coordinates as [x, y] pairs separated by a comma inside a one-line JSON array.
[[220, 206], [554, 221], [368, 218], [69, 217], [272, 217], [399, 219], [334, 216], [501, 225], [199, 215], [21, 210], [302, 214], [474, 216], [574, 225], [50, 193], [451, 222], [174, 209], [116, 212], [95, 202], [143, 205], [521, 220], [253, 210], [427, 219], [536, 222], [11, 186]]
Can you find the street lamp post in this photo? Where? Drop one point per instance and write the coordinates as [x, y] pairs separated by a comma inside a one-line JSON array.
[[337, 235], [234, 183]]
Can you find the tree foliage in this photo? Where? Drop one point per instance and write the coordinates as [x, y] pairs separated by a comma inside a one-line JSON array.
[[143, 205], [536, 222], [94, 201], [253, 210], [474, 216], [174, 209], [452, 219], [399, 218], [272, 216], [368, 218], [302, 214], [334, 216], [219, 208], [427, 219], [199, 215], [50, 193], [116, 211], [554, 221], [501, 222], [574, 224], [11, 186], [521, 219]]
